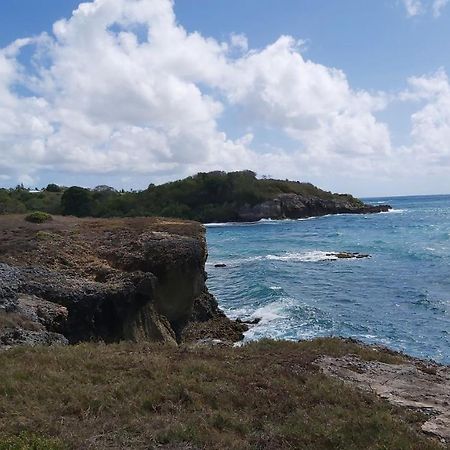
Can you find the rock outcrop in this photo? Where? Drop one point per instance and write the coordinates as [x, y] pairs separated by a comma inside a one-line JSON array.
[[415, 384], [294, 206], [73, 280]]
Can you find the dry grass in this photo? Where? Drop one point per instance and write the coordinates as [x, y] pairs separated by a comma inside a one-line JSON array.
[[13, 320], [266, 395]]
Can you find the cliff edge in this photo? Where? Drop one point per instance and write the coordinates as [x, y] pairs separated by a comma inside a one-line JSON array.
[[71, 280]]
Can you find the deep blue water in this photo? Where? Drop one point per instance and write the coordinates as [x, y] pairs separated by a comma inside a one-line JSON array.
[[400, 297]]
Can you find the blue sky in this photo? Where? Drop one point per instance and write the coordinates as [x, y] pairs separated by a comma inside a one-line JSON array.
[[379, 126]]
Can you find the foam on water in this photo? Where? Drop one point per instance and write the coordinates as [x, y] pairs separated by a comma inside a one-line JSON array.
[[311, 256], [281, 273]]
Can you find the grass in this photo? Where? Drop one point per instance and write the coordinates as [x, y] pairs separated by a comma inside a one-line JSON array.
[[13, 320], [265, 395]]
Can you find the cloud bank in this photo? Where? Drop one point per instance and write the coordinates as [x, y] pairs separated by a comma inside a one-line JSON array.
[[121, 89]]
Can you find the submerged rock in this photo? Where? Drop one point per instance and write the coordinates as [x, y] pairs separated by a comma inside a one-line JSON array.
[[86, 279]]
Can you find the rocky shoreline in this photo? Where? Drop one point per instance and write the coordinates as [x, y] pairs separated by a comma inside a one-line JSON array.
[[143, 280], [72, 280], [297, 206]]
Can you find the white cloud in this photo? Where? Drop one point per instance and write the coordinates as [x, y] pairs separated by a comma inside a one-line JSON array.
[[413, 7], [239, 41], [417, 7], [430, 124], [312, 103], [120, 88], [438, 6]]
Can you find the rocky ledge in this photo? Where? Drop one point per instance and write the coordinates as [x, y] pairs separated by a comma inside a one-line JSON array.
[[73, 280], [423, 386], [297, 206]]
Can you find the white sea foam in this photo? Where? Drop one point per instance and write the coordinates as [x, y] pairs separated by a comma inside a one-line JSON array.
[[272, 311], [217, 224], [393, 211], [311, 256]]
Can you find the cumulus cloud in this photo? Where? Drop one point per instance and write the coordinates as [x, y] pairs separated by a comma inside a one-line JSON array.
[[120, 87], [430, 124]]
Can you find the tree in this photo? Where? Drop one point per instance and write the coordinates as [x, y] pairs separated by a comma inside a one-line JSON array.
[[52, 187], [76, 201]]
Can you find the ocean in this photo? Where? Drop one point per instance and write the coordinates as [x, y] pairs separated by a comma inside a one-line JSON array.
[[278, 271]]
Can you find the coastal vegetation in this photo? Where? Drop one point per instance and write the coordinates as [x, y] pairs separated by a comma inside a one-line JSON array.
[[205, 197], [264, 395], [38, 217]]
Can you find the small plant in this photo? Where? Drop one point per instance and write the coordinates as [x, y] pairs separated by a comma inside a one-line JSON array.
[[38, 217]]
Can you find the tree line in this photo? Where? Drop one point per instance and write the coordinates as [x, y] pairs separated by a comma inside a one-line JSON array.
[[206, 197]]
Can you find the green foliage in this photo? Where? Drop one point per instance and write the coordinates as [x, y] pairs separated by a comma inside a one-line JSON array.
[[76, 201], [52, 187], [38, 217], [206, 197]]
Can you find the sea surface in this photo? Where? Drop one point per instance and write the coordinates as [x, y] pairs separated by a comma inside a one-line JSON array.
[[278, 271]]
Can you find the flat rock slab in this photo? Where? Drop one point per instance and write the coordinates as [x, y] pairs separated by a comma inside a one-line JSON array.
[[414, 384]]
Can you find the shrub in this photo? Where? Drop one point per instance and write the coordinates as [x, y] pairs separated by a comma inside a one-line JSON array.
[[38, 217]]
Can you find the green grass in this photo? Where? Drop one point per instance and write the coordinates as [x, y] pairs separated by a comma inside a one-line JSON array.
[[265, 395]]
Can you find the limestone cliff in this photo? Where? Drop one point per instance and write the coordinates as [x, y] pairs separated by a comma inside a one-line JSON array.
[[92, 279]]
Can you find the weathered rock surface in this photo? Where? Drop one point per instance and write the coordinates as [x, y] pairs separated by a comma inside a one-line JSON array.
[[413, 384], [84, 279], [294, 206]]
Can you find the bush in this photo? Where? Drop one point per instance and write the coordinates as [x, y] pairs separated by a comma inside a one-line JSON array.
[[38, 217]]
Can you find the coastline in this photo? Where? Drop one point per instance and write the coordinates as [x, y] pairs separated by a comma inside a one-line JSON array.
[[76, 280]]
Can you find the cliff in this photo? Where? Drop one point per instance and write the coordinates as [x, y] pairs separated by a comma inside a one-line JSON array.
[[72, 280], [296, 206]]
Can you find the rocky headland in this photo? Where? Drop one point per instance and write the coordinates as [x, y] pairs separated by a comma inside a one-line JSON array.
[[72, 280], [299, 206]]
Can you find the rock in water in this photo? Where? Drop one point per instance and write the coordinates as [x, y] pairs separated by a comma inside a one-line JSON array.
[[347, 255]]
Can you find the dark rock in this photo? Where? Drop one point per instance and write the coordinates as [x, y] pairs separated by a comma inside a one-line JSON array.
[[18, 336], [254, 321], [294, 206], [217, 328], [348, 255], [220, 265]]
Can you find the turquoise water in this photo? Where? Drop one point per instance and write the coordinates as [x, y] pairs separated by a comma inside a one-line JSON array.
[[400, 297]]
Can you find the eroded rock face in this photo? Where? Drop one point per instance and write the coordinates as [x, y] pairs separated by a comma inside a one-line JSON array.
[[294, 206], [85, 279]]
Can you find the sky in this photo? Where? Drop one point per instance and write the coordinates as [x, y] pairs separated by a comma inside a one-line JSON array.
[[352, 96]]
